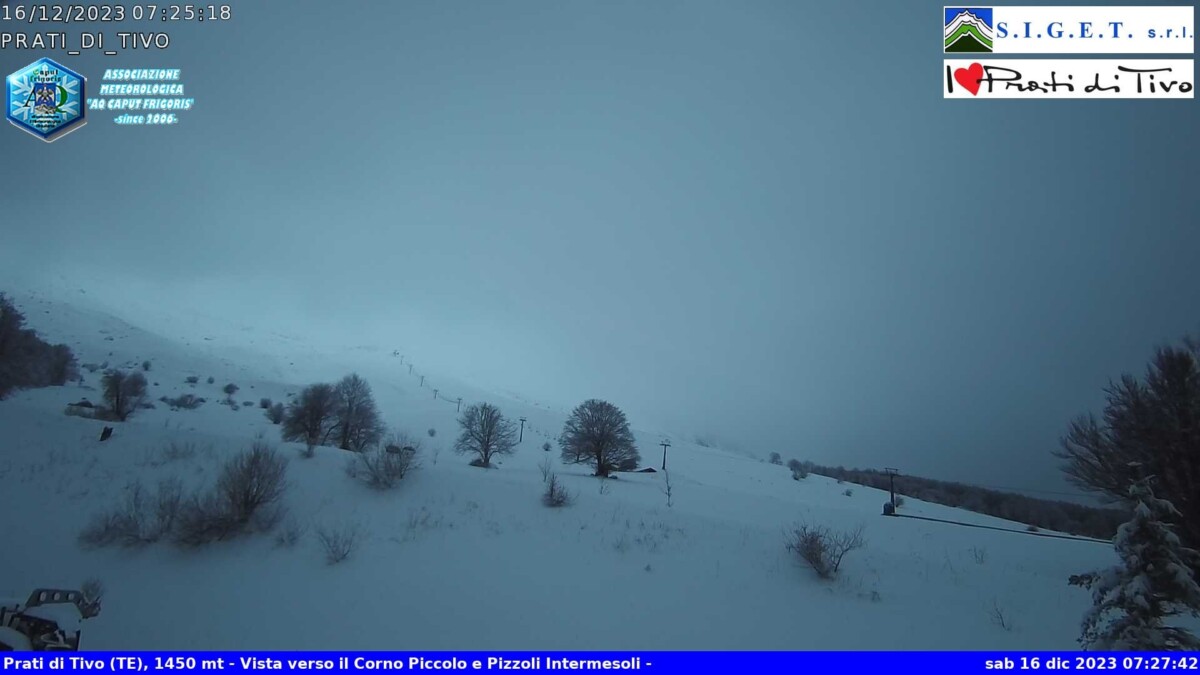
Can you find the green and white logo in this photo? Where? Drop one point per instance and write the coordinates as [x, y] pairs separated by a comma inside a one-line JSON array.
[[969, 30]]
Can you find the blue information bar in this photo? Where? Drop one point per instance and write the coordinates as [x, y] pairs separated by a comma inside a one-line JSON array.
[[659, 663]]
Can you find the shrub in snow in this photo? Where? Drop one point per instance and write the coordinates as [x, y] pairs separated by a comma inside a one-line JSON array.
[[247, 404], [247, 495], [146, 366], [264, 403], [848, 492], [192, 379], [545, 466], [799, 471], [183, 401], [275, 413], [92, 591], [123, 392], [252, 481], [776, 458], [212, 380], [338, 542], [88, 411], [999, 617], [823, 549], [597, 433], [432, 432], [382, 468], [979, 554], [486, 433], [289, 535], [141, 518], [1153, 582], [399, 440], [546, 446], [203, 520], [556, 494]]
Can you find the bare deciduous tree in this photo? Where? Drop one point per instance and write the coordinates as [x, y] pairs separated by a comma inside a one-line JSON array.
[[276, 413], [358, 423], [311, 417], [597, 433], [485, 433], [1149, 427]]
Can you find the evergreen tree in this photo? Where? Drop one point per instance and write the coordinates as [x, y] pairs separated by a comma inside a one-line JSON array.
[[1153, 582]]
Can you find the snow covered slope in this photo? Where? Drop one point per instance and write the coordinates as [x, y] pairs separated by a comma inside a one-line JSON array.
[[462, 558]]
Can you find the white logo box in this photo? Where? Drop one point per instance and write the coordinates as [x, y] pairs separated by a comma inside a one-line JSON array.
[[1068, 78], [1091, 30]]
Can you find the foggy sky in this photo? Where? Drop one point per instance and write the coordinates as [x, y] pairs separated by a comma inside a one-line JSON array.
[[757, 220]]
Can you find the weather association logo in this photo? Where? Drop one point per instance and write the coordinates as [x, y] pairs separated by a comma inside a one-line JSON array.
[[46, 99], [969, 30]]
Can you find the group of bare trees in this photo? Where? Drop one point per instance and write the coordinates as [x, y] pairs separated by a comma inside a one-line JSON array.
[[345, 415], [597, 434], [342, 414]]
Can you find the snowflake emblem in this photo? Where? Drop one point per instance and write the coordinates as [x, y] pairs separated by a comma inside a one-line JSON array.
[[46, 99]]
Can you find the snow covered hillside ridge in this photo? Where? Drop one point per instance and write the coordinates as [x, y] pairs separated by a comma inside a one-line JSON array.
[[458, 557]]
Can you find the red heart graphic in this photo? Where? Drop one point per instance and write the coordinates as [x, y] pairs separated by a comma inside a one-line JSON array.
[[970, 78]]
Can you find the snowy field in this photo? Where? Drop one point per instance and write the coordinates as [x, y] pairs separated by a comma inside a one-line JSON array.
[[464, 558]]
